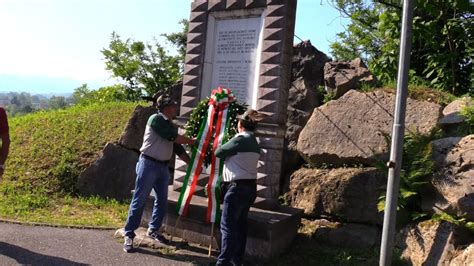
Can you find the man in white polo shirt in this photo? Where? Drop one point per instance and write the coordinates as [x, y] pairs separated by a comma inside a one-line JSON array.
[[240, 156]]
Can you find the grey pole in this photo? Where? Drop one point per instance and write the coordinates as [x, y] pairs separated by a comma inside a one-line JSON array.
[[398, 131]]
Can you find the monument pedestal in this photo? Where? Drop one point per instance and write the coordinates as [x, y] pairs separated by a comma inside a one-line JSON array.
[[270, 232]]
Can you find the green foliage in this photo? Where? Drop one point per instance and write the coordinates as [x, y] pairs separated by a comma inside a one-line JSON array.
[[199, 114], [417, 166], [442, 46], [424, 93], [196, 118], [459, 221], [359, 40], [367, 87], [324, 95], [145, 68], [48, 151], [468, 113], [18, 103], [179, 39], [57, 102], [329, 96], [115, 93]]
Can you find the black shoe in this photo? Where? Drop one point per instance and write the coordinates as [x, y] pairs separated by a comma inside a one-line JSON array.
[[158, 237], [128, 244]]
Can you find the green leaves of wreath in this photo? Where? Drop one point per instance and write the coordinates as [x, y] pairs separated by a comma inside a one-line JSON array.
[[197, 117]]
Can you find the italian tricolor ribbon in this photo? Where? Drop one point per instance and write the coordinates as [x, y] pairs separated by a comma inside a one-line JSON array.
[[217, 118]]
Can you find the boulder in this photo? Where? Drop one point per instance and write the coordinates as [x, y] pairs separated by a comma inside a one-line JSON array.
[[452, 185], [354, 128], [451, 114], [465, 257], [112, 175], [342, 235], [291, 158], [349, 194], [342, 76], [303, 97], [302, 100], [308, 63], [430, 242], [296, 121], [132, 136]]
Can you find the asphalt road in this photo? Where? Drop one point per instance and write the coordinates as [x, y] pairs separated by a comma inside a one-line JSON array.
[[40, 245]]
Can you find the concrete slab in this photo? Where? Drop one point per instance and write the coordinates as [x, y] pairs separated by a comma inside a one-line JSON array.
[[271, 231]]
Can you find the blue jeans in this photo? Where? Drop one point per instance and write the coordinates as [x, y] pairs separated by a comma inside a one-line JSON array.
[[237, 201], [150, 175]]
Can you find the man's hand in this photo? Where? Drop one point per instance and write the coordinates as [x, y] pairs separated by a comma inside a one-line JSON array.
[[192, 141], [180, 139], [185, 157]]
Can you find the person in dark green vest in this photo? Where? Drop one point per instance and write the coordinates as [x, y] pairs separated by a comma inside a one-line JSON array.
[[240, 155]]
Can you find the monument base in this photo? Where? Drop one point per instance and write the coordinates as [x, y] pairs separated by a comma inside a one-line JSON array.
[[270, 232]]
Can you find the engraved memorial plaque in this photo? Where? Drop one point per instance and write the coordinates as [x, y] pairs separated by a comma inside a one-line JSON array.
[[233, 55]]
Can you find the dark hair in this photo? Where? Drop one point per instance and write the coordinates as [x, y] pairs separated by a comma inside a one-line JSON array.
[[250, 119], [162, 107], [164, 101], [248, 125]]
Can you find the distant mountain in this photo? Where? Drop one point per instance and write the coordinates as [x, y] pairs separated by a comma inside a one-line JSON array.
[[51, 86]]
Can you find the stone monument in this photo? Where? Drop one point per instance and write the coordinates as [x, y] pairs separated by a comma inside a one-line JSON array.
[[244, 45]]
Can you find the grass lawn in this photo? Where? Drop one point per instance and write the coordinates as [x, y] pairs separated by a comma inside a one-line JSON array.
[[48, 151]]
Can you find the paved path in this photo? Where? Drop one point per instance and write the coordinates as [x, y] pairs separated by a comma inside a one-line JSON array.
[[39, 245]]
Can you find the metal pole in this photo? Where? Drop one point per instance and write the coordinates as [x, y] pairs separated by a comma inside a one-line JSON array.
[[393, 184]]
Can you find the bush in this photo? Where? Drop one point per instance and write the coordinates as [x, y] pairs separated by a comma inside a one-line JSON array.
[[115, 93], [417, 167], [468, 113]]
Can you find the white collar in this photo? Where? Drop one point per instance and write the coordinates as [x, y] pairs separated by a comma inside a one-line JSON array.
[[164, 116], [245, 133]]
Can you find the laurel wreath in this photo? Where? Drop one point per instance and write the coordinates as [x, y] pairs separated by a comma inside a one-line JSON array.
[[197, 118]]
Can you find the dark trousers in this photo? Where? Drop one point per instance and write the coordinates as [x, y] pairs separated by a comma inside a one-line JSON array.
[[239, 196]]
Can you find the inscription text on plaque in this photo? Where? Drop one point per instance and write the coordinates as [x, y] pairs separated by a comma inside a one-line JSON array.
[[234, 59]]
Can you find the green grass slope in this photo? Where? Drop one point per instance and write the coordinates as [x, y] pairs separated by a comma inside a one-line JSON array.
[[48, 151]]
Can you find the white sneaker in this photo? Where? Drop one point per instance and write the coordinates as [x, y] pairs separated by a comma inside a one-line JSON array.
[[128, 244]]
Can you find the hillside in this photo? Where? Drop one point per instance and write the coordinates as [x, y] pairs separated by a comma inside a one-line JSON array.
[[48, 151]]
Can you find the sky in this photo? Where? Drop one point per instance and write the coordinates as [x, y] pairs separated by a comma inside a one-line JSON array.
[[53, 46]]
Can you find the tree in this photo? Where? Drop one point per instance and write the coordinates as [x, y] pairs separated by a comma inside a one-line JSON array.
[[179, 39], [57, 102], [143, 67], [442, 47], [84, 96], [80, 93], [20, 103]]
